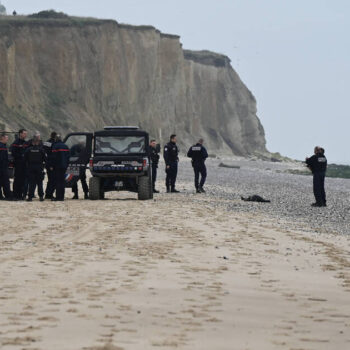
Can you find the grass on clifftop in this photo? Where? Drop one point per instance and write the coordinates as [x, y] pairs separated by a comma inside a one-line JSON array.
[[333, 170], [49, 18]]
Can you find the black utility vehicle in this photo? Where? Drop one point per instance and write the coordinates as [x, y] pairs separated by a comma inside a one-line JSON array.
[[118, 157]]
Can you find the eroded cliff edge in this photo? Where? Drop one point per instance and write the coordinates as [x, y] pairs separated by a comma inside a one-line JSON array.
[[81, 75]]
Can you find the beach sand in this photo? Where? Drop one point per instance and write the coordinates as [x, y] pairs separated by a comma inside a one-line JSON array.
[[173, 272]]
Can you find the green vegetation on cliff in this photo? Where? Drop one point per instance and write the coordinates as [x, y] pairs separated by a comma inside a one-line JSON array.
[[50, 18], [333, 170]]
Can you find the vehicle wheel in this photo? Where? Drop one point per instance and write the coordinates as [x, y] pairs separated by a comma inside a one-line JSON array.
[[145, 188], [150, 188], [95, 188]]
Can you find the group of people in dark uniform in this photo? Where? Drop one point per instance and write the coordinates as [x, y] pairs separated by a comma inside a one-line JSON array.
[[197, 153], [30, 158]]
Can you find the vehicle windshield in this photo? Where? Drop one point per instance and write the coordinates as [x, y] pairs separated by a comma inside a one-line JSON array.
[[120, 144]]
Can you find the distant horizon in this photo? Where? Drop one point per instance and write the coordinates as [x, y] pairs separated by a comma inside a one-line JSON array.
[[293, 57]]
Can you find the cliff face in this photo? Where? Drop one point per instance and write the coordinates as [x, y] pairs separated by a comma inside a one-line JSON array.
[[72, 76]]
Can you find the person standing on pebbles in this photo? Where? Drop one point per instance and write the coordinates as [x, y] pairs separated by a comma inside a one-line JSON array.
[[318, 165], [199, 154]]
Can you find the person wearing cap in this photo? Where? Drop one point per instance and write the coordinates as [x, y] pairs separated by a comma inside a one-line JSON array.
[[59, 165], [199, 154], [35, 158]]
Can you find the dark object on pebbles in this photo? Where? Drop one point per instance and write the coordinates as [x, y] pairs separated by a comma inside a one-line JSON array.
[[255, 198], [223, 165]]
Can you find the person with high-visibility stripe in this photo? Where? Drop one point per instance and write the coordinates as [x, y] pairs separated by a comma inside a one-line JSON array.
[[59, 165], [18, 148]]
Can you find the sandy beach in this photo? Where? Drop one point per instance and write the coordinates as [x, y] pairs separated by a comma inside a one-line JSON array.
[[179, 271]]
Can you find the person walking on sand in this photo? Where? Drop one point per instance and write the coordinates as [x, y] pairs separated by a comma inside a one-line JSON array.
[[199, 154], [318, 166]]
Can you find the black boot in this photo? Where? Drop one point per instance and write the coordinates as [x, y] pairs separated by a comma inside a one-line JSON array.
[[75, 196], [86, 195]]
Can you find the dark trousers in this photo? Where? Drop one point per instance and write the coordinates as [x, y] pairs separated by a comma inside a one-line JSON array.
[[19, 181], [50, 186], [171, 174], [199, 169], [60, 182], [35, 178], [5, 183], [84, 185], [318, 184], [154, 175]]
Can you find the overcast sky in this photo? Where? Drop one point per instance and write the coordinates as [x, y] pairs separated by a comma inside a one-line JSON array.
[[292, 54]]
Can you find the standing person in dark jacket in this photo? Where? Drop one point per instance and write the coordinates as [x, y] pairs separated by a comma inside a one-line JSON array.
[[155, 160], [50, 186], [35, 158], [76, 151], [318, 165], [4, 163], [18, 148], [59, 165], [199, 154], [37, 137], [171, 158]]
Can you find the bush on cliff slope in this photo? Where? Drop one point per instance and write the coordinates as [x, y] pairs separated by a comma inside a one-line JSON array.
[[49, 14]]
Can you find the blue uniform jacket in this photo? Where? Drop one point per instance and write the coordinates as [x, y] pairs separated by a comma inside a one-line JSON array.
[[317, 163], [198, 153], [4, 157], [18, 148], [60, 155], [48, 149], [171, 153]]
